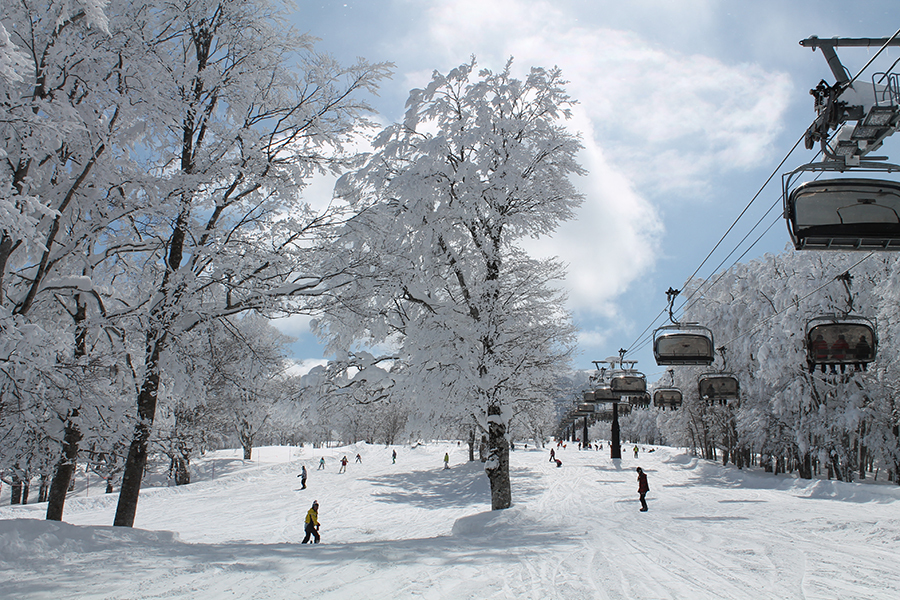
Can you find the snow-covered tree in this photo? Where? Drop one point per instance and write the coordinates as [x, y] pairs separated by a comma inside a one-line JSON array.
[[480, 162]]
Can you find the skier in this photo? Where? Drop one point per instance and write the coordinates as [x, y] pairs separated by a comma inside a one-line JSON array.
[[552, 455], [446, 460], [359, 458], [394, 457], [343, 468], [302, 477], [312, 523], [321, 463], [643, 488], [635, 451]]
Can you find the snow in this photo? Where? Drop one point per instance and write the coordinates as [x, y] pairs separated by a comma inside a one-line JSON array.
[[415, 530]]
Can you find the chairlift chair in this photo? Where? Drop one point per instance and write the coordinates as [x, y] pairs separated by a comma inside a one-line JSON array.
[[603, 394], [585, 410], [627, 382], [837, 340], [667, 398], [683, 344], [844, 214], [718, 387]]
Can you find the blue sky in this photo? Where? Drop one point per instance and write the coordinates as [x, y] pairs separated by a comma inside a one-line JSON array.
[[686, 108]]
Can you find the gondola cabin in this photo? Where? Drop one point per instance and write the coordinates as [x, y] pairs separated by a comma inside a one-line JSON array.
[[718, 387], [840, 341], [844, 214], [680, 345], [667, 398], [627, 382]]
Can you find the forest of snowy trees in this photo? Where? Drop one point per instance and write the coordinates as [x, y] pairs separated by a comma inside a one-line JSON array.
[[152, 224]]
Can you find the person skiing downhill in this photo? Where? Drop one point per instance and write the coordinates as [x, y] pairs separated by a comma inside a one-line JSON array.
[[312, 523], [321, 463], [343, 468], [302, 477], [446, 460], [394, 457], [643, 488]]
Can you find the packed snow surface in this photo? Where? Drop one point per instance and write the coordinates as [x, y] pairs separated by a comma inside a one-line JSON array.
[[415, 530]]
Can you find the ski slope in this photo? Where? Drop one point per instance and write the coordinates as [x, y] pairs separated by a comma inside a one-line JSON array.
[[416, 530]]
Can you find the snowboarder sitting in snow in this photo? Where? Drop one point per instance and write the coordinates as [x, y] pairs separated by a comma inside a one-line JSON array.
[[312, 523], [558, 463], [643, 488]]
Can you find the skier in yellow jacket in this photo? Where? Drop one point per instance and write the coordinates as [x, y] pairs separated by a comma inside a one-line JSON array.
[[312, 523]]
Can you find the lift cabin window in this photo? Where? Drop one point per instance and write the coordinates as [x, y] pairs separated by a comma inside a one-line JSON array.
[[846, 214]]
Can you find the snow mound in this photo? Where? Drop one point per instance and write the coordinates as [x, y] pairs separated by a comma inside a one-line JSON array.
[[23, 539]]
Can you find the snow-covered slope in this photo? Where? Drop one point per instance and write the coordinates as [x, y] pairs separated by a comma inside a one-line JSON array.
[[415, 530]]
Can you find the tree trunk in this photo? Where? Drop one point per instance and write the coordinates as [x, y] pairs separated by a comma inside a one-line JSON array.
[[497, 465], [182, 475], [44, 489], [804, 468], [65, 471], [137, 451], [15, 491], [472, 445]]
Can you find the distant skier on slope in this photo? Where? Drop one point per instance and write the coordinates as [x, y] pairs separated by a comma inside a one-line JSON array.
[[302, 477], [359, 458], [312, 523], [552, 455], [343, 468], [643, 488], [321, 463], [394, 457], [446, 460]]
